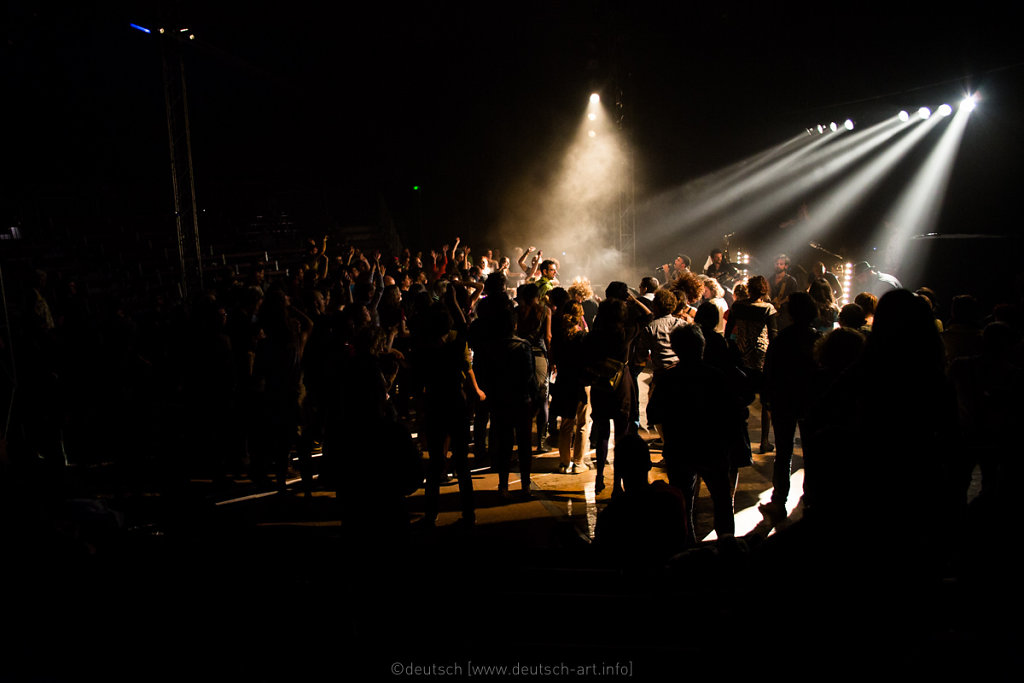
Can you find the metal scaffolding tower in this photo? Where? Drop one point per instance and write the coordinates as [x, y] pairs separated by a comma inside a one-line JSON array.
[[186, 216], [626, 215]]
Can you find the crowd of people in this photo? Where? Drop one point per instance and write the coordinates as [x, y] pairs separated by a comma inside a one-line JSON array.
[[433, 358]]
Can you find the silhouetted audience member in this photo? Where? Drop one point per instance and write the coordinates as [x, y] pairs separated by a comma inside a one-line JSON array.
[[277, 371], [719, 354], [988, 387], [751, 327], [568, 392], [789, 370], [611, 392], [893, 410], [962, 337], [444, 368], [696, 450], [507, 374]]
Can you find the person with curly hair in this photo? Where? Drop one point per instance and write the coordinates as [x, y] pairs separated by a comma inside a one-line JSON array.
[[751, 327]]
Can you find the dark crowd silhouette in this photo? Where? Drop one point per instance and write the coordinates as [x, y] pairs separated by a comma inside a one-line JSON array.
[[359, 374]]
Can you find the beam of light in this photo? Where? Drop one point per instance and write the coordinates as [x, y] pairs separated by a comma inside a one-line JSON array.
[[572, 201], [743, 203], [595, 99], [695, 202], [917, 210], [763, 196], [828, 210], [140, 28], [969, 103]]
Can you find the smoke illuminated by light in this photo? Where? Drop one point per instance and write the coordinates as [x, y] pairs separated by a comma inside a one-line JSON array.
[[916, 212], [571, 202]]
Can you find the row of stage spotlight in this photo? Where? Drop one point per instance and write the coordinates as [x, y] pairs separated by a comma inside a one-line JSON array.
[[968, 104]]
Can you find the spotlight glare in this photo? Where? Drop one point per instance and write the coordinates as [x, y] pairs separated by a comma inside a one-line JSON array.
[[821, 129], [591, 133], [945, 110], [969, 103], [833, 127], [904, 116], [592, 116], [848, 124], [925, 113], [595, 98]]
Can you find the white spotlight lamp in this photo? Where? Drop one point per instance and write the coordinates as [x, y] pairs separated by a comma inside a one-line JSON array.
[[848, 124], [969, 103], [944, 110], [833, 126], [595, 98], [904, 116], [925, 113]]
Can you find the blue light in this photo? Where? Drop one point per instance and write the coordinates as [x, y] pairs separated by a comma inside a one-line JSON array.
[[140, 28]]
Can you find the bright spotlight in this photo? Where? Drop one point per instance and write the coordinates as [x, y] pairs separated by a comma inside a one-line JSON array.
[[592, 116], [833, 126], [925, 113], [904, 116], [595, 99], [969, 103], [944, 110], [821, 129], [848, 124]]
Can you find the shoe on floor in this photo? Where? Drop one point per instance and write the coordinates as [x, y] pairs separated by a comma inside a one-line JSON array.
[[564, 469], [578, 467], [767, 448]]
